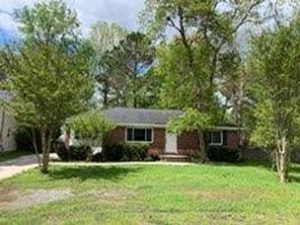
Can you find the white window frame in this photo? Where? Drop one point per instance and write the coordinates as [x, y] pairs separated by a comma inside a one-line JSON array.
[[143, 142], [211, 138]]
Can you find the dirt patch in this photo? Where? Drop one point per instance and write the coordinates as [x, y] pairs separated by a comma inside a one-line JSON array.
[[15, 200], [7, 195], [114, 196], [219, 195]]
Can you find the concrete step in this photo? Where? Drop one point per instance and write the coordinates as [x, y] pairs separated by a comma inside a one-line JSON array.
[[174, 158]]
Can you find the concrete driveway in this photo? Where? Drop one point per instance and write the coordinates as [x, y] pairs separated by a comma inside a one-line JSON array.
[[15, 166]]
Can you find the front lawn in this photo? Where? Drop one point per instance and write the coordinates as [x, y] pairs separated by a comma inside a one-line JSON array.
[[150, 194], [9, 155]]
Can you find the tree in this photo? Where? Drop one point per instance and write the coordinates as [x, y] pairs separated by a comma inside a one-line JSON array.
[[49, 73], [91, 127], [200, 53], [104, 36], [274, 61], [126, 66]]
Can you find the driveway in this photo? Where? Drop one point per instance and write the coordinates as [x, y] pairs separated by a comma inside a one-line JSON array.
[[18, 165]]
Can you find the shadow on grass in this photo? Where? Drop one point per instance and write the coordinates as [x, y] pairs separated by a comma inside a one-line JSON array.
[[91, 172], [259, 164], [294, 175]]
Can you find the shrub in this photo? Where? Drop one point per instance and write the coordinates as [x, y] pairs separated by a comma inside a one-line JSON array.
[[98, 157], [126, 152], [135, 152], [223, 154], [23, 138], [77, 153], [152, 157], [113, 153]]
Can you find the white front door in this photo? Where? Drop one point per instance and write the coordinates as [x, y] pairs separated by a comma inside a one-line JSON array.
[[171, 143]]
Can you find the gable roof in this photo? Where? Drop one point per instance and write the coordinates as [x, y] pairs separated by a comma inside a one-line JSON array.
[[136, 116], [149, 117]]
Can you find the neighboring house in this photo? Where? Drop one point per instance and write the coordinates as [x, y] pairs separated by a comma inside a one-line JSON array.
[[7, 126], [150, 126]]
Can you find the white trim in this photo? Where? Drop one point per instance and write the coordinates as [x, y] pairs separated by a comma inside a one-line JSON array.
[[216, 144], [141, 125], [225, 128], [149, 125], [142, 142]]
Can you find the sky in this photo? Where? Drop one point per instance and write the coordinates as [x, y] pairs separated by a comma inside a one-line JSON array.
[[123, 12]]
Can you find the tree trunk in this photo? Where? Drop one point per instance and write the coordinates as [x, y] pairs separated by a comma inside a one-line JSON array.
[[35, 147], [282, 160], [45, 136], [202, 147]]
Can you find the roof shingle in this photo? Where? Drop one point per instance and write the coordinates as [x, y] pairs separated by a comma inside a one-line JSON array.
[[141, 116]]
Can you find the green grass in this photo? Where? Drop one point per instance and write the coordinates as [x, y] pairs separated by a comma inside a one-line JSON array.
[[4, 156], [153, 194]]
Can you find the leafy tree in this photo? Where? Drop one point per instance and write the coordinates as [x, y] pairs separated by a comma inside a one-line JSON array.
[[105, 36], [49, 73], [275, 68], [127, 65], [194, 62], [91, 127]]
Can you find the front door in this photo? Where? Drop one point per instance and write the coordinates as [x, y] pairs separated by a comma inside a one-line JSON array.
[[171, 143]]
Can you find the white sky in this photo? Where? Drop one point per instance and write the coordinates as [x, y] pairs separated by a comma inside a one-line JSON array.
[[124, 12]]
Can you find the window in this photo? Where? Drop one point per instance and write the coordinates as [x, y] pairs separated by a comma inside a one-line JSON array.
[[216, 138], [139, 135]]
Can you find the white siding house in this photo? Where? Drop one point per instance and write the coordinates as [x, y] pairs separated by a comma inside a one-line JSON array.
[[7, 127]]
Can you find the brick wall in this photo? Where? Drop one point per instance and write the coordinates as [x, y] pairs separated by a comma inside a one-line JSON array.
[[232, 139], [159, 141], [187, 143], [117, 136]]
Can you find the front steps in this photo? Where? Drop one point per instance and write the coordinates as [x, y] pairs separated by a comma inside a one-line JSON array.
[[174, 158]]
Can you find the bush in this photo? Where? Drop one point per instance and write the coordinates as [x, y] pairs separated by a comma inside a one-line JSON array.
[[98, 157], [135, 152], [77, 153], [113, 153], [223, 154], [126, 152], [23, 138], [152, 157]]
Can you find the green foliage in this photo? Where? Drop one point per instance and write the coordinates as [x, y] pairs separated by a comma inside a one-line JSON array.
[[223, 154], [275, 65], [123, 71], [105, 36], [48, 73], [191, 120], [49, 84], [91, 126], [159, 14], [48, 22], [24, 139], [264, 132], [176, 74], [78, 153], [125, 152]]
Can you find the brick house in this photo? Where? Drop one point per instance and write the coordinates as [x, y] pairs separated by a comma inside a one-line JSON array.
[[150, 126]]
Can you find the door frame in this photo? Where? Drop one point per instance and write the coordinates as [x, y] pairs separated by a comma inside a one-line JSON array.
[[171, 148]]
